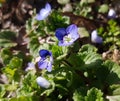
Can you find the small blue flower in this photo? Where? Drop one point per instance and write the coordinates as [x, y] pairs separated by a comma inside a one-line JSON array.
[[111, 13], [46, 60], [44, 12], [31, 66], [95, 38], [42, 82], [67, 36]]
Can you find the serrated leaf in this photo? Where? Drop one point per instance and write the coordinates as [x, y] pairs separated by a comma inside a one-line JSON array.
[[94, 94], [88, 48], [89, 56], [79, 94], [114, 72], [92, 58], [7, 39]]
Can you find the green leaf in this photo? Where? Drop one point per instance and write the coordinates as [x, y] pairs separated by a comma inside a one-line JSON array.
[[115, 88], [103, 8], [7, 39], [63, 2], [56, 20], [114, 72], [25, 98], [113, 98], [9, 71], [94, 94], [108, 74], [87, 1], [34, 46], [83, 32], [56, 50], [11, 87], [88, 48], [89, 56], [6, 56], [13, 69], [2, 91], [15, 62], [79, 94]]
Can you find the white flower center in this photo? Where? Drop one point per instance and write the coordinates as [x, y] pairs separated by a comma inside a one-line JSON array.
[[68, 38]]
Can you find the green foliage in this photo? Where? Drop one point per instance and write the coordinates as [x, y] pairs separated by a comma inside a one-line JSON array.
[[7, 39], [5, 54], [63, 2], [78, 72], [113, 98], [103, 8], [12, 70], [111, 36], [83, 8], [79, 94], [56, 20], [2, 91], [94, 94], [39, 31], [83, 32]]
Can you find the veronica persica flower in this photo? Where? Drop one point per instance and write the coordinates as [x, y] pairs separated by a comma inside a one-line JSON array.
[[46, 60], [42, 82], [44, 12], [95, 38], [111, 13], [67, 36], [31, 66]]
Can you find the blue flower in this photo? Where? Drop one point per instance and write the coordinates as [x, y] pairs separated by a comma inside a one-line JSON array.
[[111, 13], [31, 66], [42, 82], [67, 36], [44, 12], [95, 38], [46, 60]]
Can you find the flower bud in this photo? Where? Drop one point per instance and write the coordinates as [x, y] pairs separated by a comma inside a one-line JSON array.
[[42, 82]]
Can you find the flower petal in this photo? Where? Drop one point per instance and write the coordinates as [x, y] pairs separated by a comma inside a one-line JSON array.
[[42, 64], [43, 53], [42, 15], [73, 32], [111, 13], [48, 7], [62, 43], [44, 12], [43, 82], [72, 29], [31, 66], [60, 33], [95, 38], [49, 67]]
